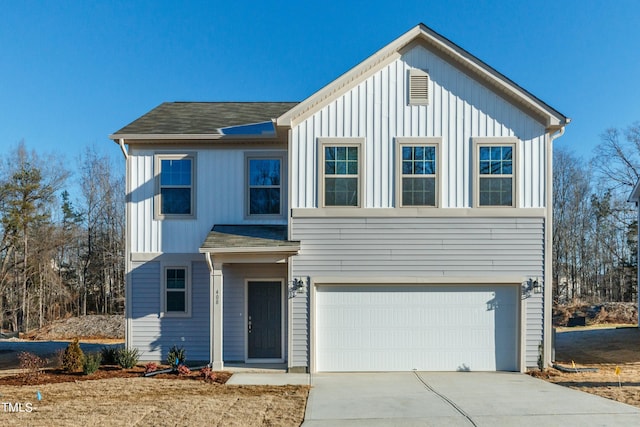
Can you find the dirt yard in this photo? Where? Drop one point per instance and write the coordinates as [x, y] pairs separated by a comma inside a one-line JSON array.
[[603, 347], [152, 402], [115, 397]]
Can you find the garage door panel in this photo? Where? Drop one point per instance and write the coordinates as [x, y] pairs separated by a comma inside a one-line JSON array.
[[385, 328]]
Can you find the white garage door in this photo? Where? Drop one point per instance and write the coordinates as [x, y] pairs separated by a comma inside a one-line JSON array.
[[430, 328]]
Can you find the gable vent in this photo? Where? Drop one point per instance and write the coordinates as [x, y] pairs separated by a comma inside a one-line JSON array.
[[418, 87]]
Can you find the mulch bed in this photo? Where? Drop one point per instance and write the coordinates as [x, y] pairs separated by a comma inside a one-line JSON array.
[[51, 376]]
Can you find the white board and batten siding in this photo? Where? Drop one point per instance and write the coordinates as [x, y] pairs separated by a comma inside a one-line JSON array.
[[154, 334], [460, 109], [419, 250], [473, 248], [220, 199]]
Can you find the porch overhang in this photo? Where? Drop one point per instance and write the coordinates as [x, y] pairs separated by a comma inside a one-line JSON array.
[[249, 243]]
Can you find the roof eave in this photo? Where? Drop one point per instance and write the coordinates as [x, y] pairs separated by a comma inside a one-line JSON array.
[[291, 249], [168, 136], [635, 193]]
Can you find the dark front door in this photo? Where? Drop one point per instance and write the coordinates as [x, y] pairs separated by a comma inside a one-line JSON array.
[[264, 320]]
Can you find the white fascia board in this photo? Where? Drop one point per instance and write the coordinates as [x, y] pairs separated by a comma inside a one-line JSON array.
[[421, 32], [635, 193], [254, 250], [190, 136], [350, 78]]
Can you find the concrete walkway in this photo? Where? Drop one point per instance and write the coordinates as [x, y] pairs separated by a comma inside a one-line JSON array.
[[455, 399]]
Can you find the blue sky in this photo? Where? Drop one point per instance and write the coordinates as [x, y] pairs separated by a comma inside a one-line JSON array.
[[72, 72]]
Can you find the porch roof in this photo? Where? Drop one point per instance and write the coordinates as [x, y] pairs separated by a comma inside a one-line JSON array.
[[248, 239]]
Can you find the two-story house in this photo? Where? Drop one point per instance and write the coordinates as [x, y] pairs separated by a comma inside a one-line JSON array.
[[399, 218]]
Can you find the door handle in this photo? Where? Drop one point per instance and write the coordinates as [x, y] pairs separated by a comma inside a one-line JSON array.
[[249, 324]]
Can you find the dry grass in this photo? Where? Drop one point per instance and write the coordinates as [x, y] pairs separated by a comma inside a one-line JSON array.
[[155, 402], [604, 349]]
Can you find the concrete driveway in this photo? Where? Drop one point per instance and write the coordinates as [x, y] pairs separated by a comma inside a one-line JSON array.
[[455, 399]]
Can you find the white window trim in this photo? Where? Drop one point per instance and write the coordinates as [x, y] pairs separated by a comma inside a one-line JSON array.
[[187, 291], [340, 142], [157, 199], [417, 73], [416, 142], [283, 180], [496, 142]]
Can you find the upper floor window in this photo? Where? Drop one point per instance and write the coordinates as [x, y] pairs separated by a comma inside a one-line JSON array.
[[341, 166], [495, 162], [176, 182], [419, 169], [177, 291], [264, 192]]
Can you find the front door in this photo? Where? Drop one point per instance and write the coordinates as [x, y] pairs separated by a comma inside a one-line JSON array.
[[264, 320]]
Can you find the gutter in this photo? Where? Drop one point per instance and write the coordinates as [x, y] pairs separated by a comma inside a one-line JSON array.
[[123, 148]]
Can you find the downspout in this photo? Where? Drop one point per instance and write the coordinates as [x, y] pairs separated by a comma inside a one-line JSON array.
[[123, 148], [207, 256], [547, 332]]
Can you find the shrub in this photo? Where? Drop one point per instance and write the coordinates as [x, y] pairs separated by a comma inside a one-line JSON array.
[[127, 358], [109, 355], [32, 364], [73, 357], [183, 370], [177, 356], [208, 374], [91, 363], [150, 367]]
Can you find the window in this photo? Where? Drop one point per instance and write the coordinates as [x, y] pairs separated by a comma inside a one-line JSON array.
[[264, 193], [341, 161], [418, 169], [418, 87], [496, 173], [176, 176], [176, 291]]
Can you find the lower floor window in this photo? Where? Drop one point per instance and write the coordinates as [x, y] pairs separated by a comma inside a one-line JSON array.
[[176, 290]]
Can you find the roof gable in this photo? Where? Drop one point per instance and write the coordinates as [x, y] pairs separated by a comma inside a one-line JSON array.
[[421, 34]]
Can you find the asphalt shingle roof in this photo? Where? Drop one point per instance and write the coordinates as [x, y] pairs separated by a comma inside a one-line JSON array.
[[247, 236], [198, 118]]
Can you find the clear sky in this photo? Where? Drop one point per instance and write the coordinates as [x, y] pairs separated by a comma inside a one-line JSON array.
[[73, 72]]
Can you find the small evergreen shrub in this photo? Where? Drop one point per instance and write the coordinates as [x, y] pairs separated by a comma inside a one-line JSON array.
[[32, 365], [177, 356], [73, 357], [109, 355], [91, 363], [127, 358]]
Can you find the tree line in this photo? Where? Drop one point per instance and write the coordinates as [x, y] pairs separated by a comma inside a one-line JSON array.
[[595, 228], [59, 257]]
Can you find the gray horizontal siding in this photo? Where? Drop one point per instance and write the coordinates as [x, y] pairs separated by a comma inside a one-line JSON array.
[[154, 335], [419, 248]]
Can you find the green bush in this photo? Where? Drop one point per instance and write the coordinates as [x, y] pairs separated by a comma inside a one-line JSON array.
[[73, 357], [91, 363], [109, 355], [127, 358], [177, 356]]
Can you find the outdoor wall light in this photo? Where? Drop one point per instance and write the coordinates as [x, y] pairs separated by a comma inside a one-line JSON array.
[[536, 286], [297, 285]]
